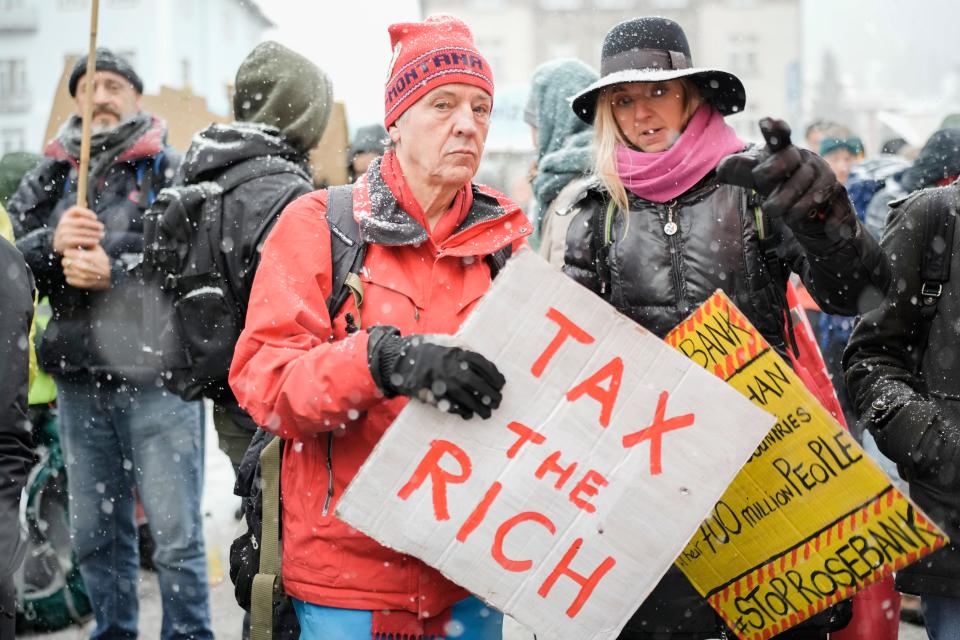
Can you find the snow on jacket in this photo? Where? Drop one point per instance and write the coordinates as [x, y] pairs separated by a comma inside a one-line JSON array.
[[251, 208], [915, 417], [299, 374], [658, 280], [93, 332]]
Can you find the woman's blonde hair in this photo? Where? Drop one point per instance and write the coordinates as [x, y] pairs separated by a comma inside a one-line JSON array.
[[607, 136]]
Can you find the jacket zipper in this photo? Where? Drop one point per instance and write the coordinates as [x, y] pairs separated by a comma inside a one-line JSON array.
[[329, 498], [673, 240]]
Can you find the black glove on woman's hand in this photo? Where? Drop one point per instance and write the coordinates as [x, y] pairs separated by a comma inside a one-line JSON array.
[[453, 379], [797, 185]]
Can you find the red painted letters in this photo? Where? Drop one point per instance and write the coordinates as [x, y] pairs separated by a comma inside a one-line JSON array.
[[606, 397], [584, 487], [567, 330], [654, 433], [439, 477], [497, 549], [526, 435], [552, 465], [587, 583]]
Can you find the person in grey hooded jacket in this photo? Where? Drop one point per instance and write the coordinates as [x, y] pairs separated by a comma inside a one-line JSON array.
[[563, 149]]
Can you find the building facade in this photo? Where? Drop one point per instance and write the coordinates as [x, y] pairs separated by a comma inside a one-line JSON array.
[[175, 43], [759, 40]]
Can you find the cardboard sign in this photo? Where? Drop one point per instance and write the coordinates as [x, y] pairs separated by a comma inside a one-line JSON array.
[[810, 519], [565, 509]]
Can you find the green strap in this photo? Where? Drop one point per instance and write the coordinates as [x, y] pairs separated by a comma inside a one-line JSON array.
[[608, 224], [758, 216], [355, 284], [267, 581]]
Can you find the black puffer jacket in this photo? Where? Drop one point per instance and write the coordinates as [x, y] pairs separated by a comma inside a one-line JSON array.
[[93, 332], [16, 453], [252, 207], [659, 279], [915, 417]]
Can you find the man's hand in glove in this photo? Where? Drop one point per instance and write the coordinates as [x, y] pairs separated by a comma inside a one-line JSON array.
[[453, 379], [797, 185]]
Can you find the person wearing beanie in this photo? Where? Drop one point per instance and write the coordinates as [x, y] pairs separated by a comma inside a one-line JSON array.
[[282, 103], [119, 428], [680, 208], [331, 386], [841, 154], [563, 150], [368, 144]]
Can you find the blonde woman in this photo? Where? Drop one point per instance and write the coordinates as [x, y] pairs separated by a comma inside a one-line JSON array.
[[660, 229]]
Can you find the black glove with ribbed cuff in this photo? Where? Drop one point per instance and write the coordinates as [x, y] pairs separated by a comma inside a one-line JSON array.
[[453, 379], [797, 185]]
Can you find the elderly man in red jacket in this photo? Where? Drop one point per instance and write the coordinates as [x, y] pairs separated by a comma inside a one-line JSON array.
[[332, 390]]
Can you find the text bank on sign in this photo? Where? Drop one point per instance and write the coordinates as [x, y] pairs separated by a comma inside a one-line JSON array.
[[810, 519], [566, 508]]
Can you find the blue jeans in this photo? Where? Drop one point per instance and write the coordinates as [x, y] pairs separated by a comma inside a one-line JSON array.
[[941, 616], [115, 437], [470, 620]]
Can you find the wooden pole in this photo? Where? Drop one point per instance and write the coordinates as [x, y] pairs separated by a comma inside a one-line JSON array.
[[88, 107]]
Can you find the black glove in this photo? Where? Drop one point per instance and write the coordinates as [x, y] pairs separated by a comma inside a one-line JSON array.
[[454, 379], [914, 433], [797, 185]]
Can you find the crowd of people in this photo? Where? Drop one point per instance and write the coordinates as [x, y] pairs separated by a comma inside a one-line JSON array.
[[308, 314]]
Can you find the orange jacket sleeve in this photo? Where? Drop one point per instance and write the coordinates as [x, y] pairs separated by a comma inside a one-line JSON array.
[[286, 372]]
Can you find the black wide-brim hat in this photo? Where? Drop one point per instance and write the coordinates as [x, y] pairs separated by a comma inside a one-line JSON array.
[[653, 50]]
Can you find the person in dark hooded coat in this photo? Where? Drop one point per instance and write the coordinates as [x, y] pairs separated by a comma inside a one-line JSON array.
[[563, 149], [282, 106], [16, 450], [904, 376]]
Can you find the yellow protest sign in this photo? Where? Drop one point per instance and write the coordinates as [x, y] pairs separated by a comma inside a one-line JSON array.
[[810, 519]]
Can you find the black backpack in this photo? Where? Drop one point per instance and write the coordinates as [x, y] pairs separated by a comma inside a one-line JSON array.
[[255, 555], [192, 316]]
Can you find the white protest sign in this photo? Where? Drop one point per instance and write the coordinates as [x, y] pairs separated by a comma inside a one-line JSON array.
[[565, 508]]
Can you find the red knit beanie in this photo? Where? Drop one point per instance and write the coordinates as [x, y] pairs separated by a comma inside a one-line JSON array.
[[428, 54]]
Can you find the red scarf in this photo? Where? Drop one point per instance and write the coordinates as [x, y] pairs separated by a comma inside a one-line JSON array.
[[393, 176], [663, 175]]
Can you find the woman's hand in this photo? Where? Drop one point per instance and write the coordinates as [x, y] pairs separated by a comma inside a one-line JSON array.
[[797, 185]]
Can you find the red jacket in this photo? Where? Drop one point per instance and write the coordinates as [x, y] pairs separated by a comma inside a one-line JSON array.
[[300, 375]]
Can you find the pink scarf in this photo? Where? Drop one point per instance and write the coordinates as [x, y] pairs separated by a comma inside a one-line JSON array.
[[664, 175]]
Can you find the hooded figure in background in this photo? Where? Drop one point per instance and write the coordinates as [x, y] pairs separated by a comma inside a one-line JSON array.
[[563, 149], [937, 164], [16, 443], [282, 105], [368, 144]]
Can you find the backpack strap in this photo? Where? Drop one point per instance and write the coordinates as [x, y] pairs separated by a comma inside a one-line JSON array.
[[257, 168], [936, 258], [147, 173], [769, 238], [267, 582], [347, 250], [498, 259]]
